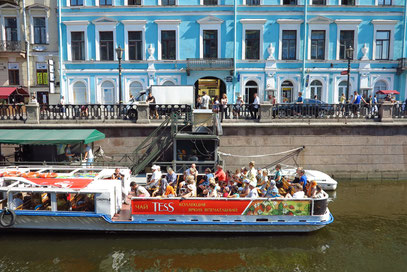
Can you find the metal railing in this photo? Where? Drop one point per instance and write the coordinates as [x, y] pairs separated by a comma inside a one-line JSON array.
[[11, 46], [85, 112], [13, 112], [162, 111]]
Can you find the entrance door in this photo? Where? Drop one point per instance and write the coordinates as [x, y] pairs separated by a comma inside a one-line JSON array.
[[316, 90], [287, 90], [42, 98], [250, 89]]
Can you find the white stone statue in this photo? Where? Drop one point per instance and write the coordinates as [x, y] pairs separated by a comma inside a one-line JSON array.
[[271, 50], [365, 50], [151, 51]]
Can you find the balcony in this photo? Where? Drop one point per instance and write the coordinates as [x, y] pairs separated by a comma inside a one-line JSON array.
[[209, 65], [11, 46]]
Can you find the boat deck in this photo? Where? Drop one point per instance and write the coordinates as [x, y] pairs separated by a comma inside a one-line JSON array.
[[125, 212]]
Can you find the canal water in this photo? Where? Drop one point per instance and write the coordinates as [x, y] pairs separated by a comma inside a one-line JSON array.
[[369, 234]]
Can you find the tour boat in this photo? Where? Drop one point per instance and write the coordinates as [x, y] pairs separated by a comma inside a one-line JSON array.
[[92, 201]]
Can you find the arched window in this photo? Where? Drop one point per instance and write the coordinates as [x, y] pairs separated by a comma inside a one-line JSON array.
[[380, 85], [108, 96], [79, 93], [168, 83], [135, 89], [287, 90], [342, 88], [316, 90], [250, 89]]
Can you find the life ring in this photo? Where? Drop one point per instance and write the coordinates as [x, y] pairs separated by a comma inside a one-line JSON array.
[[12, 174], [30, 175], [3, 222], [49, 175]]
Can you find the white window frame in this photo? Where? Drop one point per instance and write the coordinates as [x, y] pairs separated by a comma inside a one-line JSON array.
[[389, 25], [134, 25], [101, 27], [376, 3], [252, 24], [97, 3], [245, 1], [84, 80], [210, 23], [289, 24], [160, 3], [32, 27], [345, 24], [68, 4], [319, 24], [3, 27], [164, 25], [126, 3], [100, 81], [129, 80], [76, 26]]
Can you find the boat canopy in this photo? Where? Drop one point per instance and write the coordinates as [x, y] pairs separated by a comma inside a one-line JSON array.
[[49, 136], [388, 92]]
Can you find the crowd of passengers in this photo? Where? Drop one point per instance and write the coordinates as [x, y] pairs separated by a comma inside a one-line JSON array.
[[42, 201], [246, 182]]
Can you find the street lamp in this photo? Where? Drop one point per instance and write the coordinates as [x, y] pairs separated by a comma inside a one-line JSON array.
[[119, 52], [349, 56]]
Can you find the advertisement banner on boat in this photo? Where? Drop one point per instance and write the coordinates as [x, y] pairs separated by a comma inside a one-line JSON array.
[[219, 207]]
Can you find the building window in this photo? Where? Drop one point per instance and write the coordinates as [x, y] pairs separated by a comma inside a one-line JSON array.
[[135, 89], [40, 30], [11, 28], [342, 87], [134, 2], [348, 2], [210, 2], [384, 2], [290, 2], [78, 45], [105, 2], [316, 90], [252, 44], [289, 44], [135, 45], [76, 2], [168, 2], [287, 91], [168, 45], [250, 89], [382, 44], [252, 2], [318, 44], [42, 74], [107, 93], [13, 74], [380, 85], [79, 93], [106, 45], [210, 44], [346, 39], [168, 83], [319, 2]]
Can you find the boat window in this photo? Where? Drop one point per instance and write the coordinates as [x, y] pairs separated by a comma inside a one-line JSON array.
[[76, 202], [31, 201]]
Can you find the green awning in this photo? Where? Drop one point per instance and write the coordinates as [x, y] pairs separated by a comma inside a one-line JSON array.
[[49, 136]]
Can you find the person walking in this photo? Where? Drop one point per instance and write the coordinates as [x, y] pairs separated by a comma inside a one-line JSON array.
[[224, 106], [205, 101], [254, 109]]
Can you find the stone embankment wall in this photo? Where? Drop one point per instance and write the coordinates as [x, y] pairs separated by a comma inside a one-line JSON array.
[[354, 150]]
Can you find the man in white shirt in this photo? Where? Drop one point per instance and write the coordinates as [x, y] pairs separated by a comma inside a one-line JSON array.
[[205, 100], [191, 171], [253, 190], [155, 178], [254, 109], [89, 156], [298, 191], [138, 190]]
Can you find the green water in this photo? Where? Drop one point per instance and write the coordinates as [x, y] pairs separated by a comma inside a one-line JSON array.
[[369, 234]]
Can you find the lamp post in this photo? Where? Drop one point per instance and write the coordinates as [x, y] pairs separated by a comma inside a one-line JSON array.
[[119, 52], [349, 56]]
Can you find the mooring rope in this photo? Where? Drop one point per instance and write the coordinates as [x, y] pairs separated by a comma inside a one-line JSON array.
[[261, 156]]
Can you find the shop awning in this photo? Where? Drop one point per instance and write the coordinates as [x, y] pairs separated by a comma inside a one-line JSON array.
[[5, 92], [387, 92], [49, 136]]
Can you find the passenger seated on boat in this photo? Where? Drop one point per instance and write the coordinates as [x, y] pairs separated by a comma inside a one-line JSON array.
[[220, 175], [183, 185], [83, 203], [225, 191], [274, 193], [319, 192], [297, 175], [191, 171], [245, 190], [117, 174], [62, 202], [234, 192], [204, 183], [277, 177], [312, 189], [269, 188], [139, 190], [298, 191], [212, 190], [17, 202], [262, 183], [171, 177], [164, 190], [243, 173], [191, 191], [155, 177], [253, 193], [236, 178]]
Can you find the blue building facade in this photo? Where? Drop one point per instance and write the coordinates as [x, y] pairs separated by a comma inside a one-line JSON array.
[[271, 47]]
